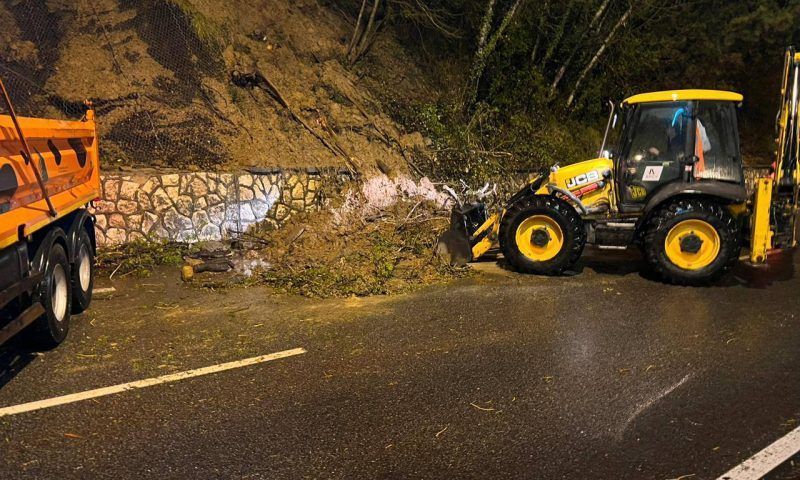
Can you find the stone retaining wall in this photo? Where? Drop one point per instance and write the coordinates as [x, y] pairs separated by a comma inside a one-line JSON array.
[[189, 207]]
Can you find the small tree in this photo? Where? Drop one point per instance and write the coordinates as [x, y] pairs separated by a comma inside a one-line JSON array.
[[374, 13], [488, 38]]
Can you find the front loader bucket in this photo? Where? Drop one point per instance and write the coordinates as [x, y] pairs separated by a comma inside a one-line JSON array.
[[453, 246]]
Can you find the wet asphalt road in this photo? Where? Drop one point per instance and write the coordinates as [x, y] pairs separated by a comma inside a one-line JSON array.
[[605, 374]]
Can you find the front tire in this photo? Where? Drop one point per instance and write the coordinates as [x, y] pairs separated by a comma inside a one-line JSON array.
[[542, 235], [55, 294], [692, 241], [83, 273]]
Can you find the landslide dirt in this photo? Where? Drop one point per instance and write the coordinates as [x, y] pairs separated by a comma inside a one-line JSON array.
[[160, 75]]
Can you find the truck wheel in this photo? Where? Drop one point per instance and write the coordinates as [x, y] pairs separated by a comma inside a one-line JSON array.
[[55, 294], [542, 235], [692, 242], [83, 274]]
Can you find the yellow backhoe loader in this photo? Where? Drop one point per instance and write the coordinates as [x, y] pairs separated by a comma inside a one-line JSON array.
[[668, 179]]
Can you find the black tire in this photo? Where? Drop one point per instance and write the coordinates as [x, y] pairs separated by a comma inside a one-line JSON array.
[[55, 294], [709, 211], [574, 234], [82, 273]]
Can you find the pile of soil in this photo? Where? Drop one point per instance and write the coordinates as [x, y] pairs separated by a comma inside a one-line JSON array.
[[211, 83], [339, 253]]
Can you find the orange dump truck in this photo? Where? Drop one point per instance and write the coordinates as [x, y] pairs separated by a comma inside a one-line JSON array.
[[49, 172]]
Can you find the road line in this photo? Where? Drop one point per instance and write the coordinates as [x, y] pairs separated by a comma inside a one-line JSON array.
[[766, 460], [148, 382]]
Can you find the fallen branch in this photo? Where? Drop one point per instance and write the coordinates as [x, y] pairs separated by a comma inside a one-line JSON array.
[[257, 79]]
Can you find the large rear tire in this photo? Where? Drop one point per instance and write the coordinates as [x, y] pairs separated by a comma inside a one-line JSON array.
[[55, 294], [83, 273], [542, 235], [692, 241]]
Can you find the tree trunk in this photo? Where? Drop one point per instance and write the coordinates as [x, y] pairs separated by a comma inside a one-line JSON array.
[[357, 29], [483, 53], [366, 37], [551, 49], [598, 54], [540, 33], [563, 69]]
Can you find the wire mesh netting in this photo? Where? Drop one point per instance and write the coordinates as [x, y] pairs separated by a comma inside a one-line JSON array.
[[152, 76], [199, 83]]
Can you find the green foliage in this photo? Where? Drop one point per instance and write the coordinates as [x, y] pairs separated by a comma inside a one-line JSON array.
[[493, 144], [664, 44], [204, 28], [389, 252], [140, 257]]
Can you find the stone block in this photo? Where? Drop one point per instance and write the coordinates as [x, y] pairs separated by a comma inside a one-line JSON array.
[[128, 190], [134, 222], [144, 201], [159, 232], [213, 199], [216, 214], [292, 180], [100, 221], [111, 189], [210, 232], [117, 221], [247, 215], [298, 192], [245, 180], [187, 236], [245, 194], [260, 209], [198, 187], [116, 236], [172, 192], [148, 220], [311, 198], [150, 185], [127, 207], [171, 180], [175, 222], [105, 206], [281, 212], [200, 219], [184, 205], [161, 200], [183, 184]]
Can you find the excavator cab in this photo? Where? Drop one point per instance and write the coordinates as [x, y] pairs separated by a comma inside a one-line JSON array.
[[675, 137]]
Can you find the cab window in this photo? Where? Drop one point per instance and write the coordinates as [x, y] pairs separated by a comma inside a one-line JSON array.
[[717, 143], [655, 143]]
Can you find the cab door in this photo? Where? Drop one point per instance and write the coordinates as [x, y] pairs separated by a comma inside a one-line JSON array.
[[657, 139]]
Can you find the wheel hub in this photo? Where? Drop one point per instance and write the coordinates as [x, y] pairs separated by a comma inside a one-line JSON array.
[[59, 293], [691, 243], [540, 237]]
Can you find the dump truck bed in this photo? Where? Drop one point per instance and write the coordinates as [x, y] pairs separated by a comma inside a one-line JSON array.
[[66, 154]]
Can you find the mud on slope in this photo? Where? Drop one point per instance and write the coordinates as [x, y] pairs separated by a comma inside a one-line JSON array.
[[159, 74]]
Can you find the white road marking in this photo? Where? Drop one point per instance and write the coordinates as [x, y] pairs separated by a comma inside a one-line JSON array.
[[148, 382], [766, 460]]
